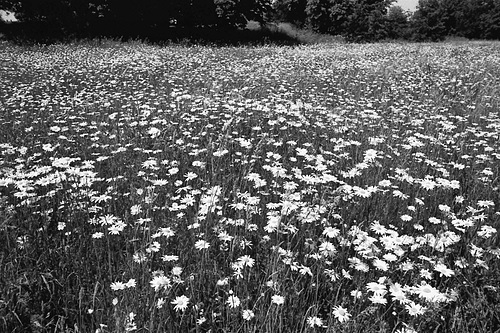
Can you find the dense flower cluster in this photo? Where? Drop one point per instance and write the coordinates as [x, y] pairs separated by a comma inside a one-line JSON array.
[[237, 186]]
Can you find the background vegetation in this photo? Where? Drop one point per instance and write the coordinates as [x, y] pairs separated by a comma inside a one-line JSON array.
[[363, 20]]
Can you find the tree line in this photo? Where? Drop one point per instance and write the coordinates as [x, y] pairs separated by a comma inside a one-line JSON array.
[[378, 19], [355, 20]]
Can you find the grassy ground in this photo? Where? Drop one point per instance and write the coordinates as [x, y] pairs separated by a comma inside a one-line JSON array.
[[335, 188]]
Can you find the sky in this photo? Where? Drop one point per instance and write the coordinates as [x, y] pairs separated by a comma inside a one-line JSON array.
[[6, 16], [407, 4]]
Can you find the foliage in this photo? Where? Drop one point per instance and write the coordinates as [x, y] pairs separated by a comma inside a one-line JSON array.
[[398, 23], [363, 20], [239, 12], [357, 20], [428, 22], [81, 14], [318, 15], [368, 20], [475, 19], [292, 11]]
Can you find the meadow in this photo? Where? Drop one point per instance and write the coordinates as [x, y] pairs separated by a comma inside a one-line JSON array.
[[320, 188]]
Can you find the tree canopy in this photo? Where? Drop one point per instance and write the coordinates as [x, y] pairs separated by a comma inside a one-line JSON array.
[[356, 20]]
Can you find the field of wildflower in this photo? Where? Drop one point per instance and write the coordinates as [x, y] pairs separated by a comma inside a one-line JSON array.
[[331, 188]]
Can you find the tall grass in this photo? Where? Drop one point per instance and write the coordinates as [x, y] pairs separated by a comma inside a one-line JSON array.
[[340, 188]]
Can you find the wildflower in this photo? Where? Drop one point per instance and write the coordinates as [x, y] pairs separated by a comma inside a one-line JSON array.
[[399, 194], [378, 299], [252, 227], [63, 162], [428, 184], [444, 208], [135, 209], [376, 288], [220, 152], [167, 232], [314, 321], [305, 270], [201, 244], [434, 220], [485, 203], [356, 294], [118, 286], [370, 155], [332, 274], [406, 329], [198, 164], [397, 293], [424, 273], [378, 228], [384, 183], [358, 265], [177, 271], [190, 176], [159, 282], [130, 324], [380, 265], [341, 314], [346, 274], [97, 235], [173, 171], [153, 247], [327, 249], [331, 232], [246, 260], [116, 228], [486, 231], [223, 282], [150, 163], [406, 218], [181, 303], [160, 303], [248, 315], [391, 257], [428, 292], [476, 251], [131, 283], [360, 192], [406, 266], [414, 309], [154, 132], [170, 258], [233, 301], [277, 299], [443, 270]]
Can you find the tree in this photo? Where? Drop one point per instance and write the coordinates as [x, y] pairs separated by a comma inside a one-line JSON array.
[[397, 23], [368, 20], [428, 21], [473, 17], [292, 11], [329, 16], [238, 12], [318, 15], [491, 22], [55, 16]]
